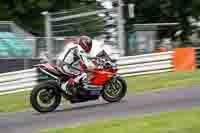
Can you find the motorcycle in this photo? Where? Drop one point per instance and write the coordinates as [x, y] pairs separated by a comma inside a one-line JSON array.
[[102, 82]]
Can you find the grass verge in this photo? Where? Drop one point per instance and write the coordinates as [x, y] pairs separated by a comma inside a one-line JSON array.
[[20, 101], [177, 122], [163, 80], [15, 102]]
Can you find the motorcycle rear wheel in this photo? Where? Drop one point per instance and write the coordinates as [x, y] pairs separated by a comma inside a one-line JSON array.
[[44, 97], [115, 91]]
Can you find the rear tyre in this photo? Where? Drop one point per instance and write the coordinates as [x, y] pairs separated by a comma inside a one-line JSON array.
[[44, 97], [114, 90]]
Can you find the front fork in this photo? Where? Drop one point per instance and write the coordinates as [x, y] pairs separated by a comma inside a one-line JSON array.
[[112, 81], [114, 78]]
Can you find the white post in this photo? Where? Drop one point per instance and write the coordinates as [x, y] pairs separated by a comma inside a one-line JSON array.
[[48, 34], [121, 28]]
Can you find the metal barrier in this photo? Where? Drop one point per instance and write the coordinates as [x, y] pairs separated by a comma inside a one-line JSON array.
[[198, 57], [128, 66], [145, 64]]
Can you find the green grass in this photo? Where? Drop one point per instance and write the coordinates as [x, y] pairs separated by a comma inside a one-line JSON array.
[[177, 122], [163, 80], [20, 101], [15, 102]]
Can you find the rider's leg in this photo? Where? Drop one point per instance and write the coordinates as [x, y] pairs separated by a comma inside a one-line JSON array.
[[68, 86]]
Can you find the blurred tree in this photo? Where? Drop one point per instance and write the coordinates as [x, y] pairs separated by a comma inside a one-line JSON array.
[[27, 13], [158, 11]]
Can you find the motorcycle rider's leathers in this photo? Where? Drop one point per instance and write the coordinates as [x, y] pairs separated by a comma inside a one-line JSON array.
[[72, 60]]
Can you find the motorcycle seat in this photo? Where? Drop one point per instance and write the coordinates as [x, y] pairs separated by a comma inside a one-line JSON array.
[[63, 73]]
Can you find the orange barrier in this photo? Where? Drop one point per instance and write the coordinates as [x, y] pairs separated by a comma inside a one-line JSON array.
[[184, 59]]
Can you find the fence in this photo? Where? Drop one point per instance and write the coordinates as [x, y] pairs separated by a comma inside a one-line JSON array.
[[198, 57], [128, 66], [12, 46], [13, 64], [145, 64]]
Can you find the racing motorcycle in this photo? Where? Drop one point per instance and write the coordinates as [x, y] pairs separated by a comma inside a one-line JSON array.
[[102, 82]]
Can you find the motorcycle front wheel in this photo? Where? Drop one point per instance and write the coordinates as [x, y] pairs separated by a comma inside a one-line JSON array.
[[115, 90], [44, 97]]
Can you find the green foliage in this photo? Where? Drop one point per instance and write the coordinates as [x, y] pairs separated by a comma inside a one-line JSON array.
[[157, 11], [147, 11], [22, 12]]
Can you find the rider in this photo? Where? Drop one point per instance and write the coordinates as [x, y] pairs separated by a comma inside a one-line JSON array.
[[74, 60]]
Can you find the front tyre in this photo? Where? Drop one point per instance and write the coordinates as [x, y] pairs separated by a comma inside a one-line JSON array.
[[115, 90], [44, 97]]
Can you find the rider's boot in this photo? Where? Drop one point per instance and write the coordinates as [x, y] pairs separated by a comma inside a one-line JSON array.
[[68, 87]]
